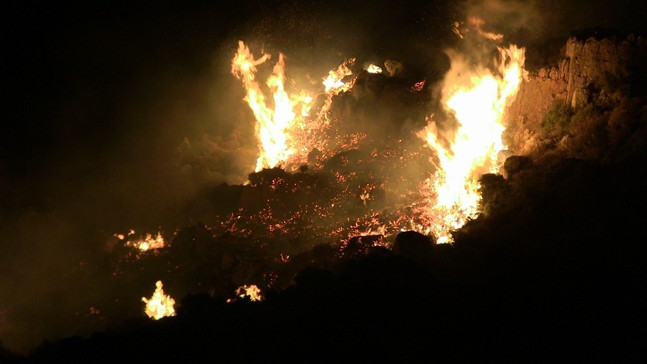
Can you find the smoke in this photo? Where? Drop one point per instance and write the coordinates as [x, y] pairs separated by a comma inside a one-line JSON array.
[[507, 18]]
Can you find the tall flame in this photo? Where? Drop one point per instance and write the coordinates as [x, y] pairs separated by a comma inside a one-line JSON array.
[[286, 129], [159, 305], [273, 120], [478, 98]]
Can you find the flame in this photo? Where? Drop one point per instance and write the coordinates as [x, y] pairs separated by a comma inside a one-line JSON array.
[[251, 291], [373, 69], [287, 129], [273, 121], [478, 98], [149, 242], [334, 83], [159, 305]]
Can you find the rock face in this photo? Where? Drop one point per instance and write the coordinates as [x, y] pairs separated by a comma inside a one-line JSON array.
[[591, 71]]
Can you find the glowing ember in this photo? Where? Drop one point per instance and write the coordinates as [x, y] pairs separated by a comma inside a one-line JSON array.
[[159, 305], [478, 98]]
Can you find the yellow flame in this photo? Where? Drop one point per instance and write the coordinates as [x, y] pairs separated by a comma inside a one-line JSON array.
[[286, 130], [373, 69], [478, 98], [334, 83], [251, 291], [159, 305], [149, 242], [275, 120]]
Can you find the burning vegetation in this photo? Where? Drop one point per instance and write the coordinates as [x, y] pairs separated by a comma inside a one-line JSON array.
[[476, 96]]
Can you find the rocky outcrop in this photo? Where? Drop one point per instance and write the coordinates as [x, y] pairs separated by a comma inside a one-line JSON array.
[[592, 71]]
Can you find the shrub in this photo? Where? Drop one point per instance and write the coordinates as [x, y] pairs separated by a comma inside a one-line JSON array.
[[557, 120]]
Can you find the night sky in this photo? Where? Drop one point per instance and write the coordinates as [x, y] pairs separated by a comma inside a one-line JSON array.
[[100, 98]]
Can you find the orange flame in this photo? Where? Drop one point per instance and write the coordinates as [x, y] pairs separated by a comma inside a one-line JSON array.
[[478, 98], [273, 121], [286, 129], [149, 242], [373, 69], [334, 83], [251, 291], [159, 305]]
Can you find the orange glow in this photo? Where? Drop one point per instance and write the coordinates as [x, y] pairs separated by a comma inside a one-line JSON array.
[[159, 305], [477, 97]]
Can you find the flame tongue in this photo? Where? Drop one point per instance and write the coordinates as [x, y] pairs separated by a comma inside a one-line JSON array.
[[478, 100], [272, 122]]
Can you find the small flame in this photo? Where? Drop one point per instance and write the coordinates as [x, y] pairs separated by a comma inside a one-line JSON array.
[[251, 291], [373, 69], [149, 242], [334, 83], [159, 305], [477, 23]]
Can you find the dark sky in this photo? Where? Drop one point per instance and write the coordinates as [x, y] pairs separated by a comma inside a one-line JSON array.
[[99, 96]]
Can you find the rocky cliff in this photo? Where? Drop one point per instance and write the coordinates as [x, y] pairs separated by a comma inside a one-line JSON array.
[[592, 72]]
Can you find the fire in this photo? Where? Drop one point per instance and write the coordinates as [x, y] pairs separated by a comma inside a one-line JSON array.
[[251, 291], [159, 305], [477, 97], [334, 82], [373, 69], [274, 121], [149, 242], [287, 129]]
